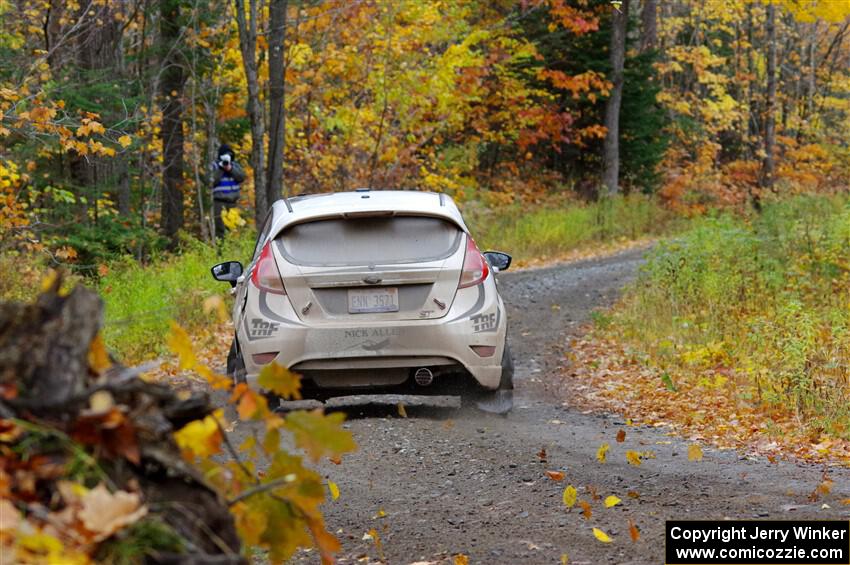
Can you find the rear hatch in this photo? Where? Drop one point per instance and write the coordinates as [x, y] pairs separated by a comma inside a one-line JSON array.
[[375, 267]]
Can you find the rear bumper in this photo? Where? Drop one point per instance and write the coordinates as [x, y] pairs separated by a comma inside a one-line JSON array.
[[476, 318]]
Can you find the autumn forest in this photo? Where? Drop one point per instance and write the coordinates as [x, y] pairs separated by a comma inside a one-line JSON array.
[[112, 111]]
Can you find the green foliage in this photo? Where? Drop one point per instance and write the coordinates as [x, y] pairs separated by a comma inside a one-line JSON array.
[[643, 140], [141, 300], [143, 539], [107, 240], [766, 296], [552, 230], [601, 319]]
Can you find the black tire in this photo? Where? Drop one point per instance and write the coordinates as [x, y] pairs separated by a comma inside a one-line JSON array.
[[235, 364]]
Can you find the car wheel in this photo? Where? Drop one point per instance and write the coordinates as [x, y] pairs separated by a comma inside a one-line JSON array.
[[501, 400], [235, 364]]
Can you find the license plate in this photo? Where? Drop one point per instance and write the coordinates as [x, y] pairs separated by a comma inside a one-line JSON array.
[[370, 300]]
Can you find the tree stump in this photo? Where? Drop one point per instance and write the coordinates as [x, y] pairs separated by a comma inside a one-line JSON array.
[[46, 379]]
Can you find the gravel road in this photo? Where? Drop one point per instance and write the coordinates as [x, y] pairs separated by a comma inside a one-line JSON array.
[[451, 481]]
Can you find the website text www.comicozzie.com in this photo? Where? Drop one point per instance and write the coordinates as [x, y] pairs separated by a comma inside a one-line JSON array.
[[765, 542], [777, 553]]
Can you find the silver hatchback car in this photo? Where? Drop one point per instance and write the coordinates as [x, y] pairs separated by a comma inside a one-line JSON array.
[[370, 292]]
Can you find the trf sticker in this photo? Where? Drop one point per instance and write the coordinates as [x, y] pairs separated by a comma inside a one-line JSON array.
[[484, 322], [260, 328]]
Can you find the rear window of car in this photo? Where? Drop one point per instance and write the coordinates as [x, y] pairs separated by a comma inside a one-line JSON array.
[[369, 240]]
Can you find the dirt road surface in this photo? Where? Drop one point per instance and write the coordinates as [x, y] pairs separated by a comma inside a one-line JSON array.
[[445, 481]]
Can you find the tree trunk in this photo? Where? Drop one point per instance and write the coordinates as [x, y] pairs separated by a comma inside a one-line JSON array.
[[754, 120], [611, 149], [649, 25], [123, 188], [769, 162], [248, 47], [277, 109], [171, 86], [210, 117], [810, 75]]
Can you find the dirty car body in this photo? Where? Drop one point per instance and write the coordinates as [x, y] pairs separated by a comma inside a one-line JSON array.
[[371, 291]]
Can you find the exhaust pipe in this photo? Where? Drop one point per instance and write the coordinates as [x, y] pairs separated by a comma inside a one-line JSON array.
[[423, 376]]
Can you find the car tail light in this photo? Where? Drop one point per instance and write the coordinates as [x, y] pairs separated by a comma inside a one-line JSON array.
[[484, 350], [475, 268], [266, 276]]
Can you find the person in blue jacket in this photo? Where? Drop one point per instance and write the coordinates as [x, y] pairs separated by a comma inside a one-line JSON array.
[[227, 180]]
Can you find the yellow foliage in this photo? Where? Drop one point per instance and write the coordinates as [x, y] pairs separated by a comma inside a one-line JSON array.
[[201, 438], [232, 218]]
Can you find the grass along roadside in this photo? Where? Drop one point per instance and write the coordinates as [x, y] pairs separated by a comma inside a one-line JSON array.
[[142, 300], [737, 332], [556, 231]]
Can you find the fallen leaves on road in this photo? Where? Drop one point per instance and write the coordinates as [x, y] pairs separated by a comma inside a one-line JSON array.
[[823, 489], [555, 475], [633, 531], [604, 374], [621, 436], [570, 495], [694, 452], [334, 488], [611, 501], [601, 536], [585, 509], [602, 452], [633, 457], [372, 535]]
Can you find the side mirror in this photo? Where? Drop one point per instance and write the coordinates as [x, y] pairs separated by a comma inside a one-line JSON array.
[[227, 272], [498, 260]]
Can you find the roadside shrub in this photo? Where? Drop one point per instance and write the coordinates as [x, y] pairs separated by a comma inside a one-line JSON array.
[[141, 299], [556, 227], [763, 296], [109, 239]]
